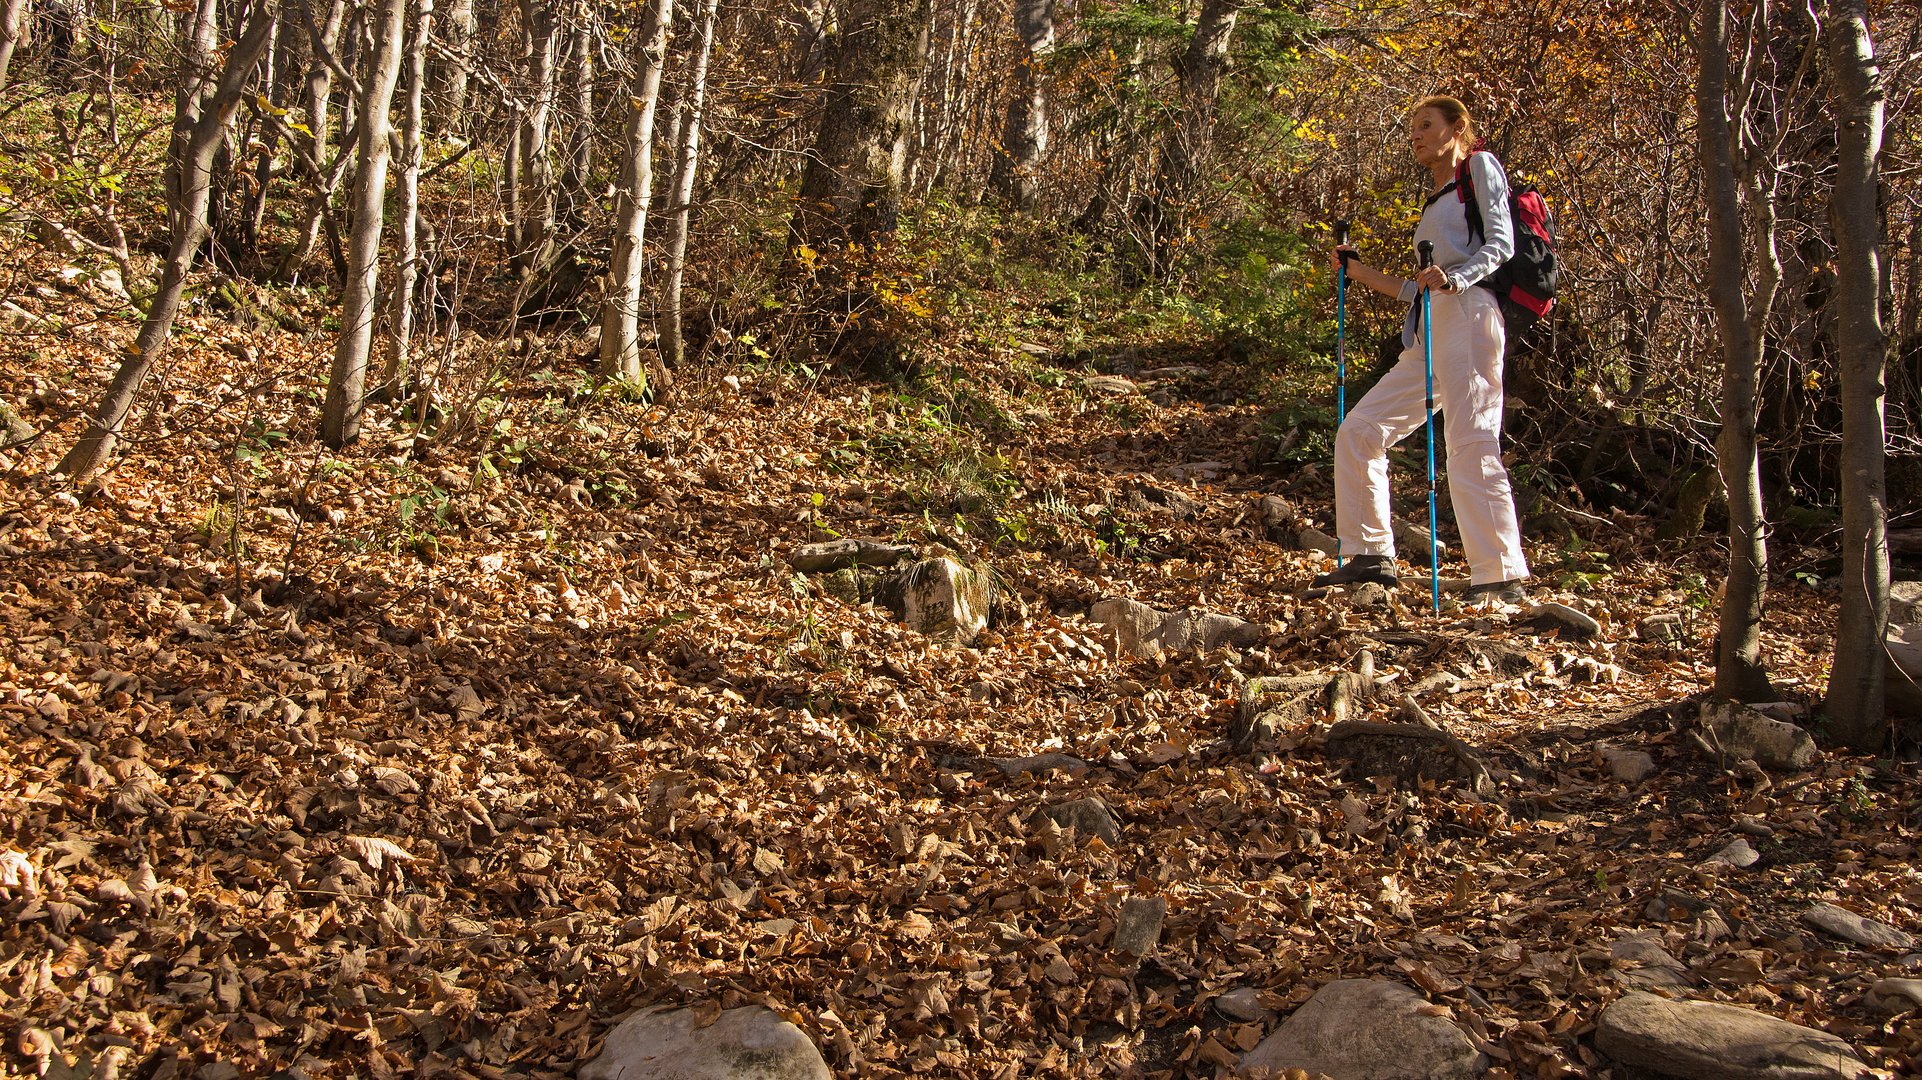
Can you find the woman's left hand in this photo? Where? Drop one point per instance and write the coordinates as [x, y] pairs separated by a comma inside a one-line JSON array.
[[1434, 277]]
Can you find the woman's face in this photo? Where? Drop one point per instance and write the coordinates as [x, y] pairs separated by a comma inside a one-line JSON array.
[[1431, 135]]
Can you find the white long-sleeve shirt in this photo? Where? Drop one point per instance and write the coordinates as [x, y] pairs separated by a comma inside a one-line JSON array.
[[1465, 258]]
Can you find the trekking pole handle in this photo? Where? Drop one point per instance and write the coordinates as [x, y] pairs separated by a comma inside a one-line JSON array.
[[1341, 240], [1427, 250]]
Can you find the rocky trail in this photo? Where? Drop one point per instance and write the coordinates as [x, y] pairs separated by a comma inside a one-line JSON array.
[[978, 732]]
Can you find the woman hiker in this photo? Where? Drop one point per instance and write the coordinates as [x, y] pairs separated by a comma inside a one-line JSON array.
[[1467, 347]]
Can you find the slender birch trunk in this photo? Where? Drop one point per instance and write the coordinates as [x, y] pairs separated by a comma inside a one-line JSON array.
[[578, 170], [693, 109], [531, 198], [1855, 704], [454, 66], [1024, 138], [203, 112], [621, 310], [323, 39], [347, 383], [1190, 142], [1739, 670], [400, 304], [12, 16]]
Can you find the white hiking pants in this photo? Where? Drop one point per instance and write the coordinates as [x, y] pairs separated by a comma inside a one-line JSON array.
[[1469, 340]]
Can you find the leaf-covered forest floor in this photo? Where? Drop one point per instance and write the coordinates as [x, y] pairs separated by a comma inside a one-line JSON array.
[[439, 755]]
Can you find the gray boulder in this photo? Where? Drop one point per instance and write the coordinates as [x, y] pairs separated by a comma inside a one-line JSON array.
[[1666, 626], [941, 598], [1849, 926], [1040, 763], [1905, 676], [1642, 962], [1312, 539], [1702, 1040], [1628, 766], [1905, 602], [1138, 929], [1739, 853], [1143, 631], [1368, 1029], [749, 1043], [1192, 630], [1890, 996], [1564, 620], [1741, 732], [1087, 817]]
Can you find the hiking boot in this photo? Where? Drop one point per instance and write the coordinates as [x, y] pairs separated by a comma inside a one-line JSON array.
[[1513, 591], [1359, 570]]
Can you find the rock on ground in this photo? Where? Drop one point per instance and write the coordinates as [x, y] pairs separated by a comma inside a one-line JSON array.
[[941, 598], [1242, 1003], [1143, 631], [1666, 626], [1905, 602], [1739, 853], [1087, 817], [749, 1043], [1702, 1040], [1629, 766], [1891, 996], [1138, 929], [1849, 926], [1312, 539], [1905, 677], [1741, 732], [1642, 961], [1368, 1029], [1568, 622]]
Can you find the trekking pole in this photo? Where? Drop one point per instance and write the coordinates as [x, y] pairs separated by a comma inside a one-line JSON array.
[[1427, 249], [1341, 340]]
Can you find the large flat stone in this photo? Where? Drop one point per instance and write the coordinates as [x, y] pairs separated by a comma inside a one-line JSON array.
[[1849, 926], [1742, 732], [1703, 1040], [749, 1043], [1368, 1029]]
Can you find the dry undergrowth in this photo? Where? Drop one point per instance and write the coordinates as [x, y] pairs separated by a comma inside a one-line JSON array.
[[438, 756]]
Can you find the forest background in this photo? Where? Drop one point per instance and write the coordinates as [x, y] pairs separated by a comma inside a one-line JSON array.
[[357, 356]]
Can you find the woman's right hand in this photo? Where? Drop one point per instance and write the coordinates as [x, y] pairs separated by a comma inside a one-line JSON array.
[[1336, 257]]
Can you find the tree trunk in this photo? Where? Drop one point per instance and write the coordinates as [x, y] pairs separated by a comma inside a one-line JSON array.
[[581, 135], [951, 118], [1190, 142], [851, 188], [346, 384], [1855, 695], [203, 111], [1739, 671], [452, 67], [531, 200], [1025, 137], [323, 38], [681, 206], [621, 311], [400, 306], [12, 12]]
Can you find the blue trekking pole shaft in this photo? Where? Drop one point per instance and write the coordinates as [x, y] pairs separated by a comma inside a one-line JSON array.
[[1427, 249], [1341, 340]]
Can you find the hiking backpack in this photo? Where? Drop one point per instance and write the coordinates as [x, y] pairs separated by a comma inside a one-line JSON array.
[[1525, 284]]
